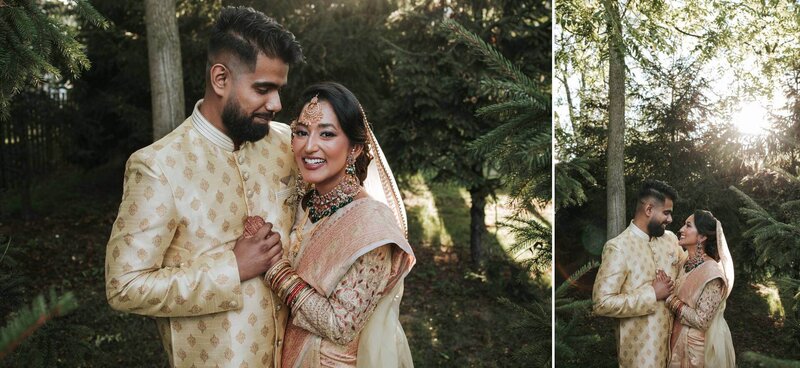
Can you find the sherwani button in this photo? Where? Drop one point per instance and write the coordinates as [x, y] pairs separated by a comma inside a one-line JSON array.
[[278, 307], [241, 159], [280, 342], [246, 175], [234, 304], [250, 193]]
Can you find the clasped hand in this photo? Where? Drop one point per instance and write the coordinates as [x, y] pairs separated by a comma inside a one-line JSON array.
[[256, 253], [663, 285]]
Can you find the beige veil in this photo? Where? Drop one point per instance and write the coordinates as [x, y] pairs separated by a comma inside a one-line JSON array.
[[382, 342], [719, 350]]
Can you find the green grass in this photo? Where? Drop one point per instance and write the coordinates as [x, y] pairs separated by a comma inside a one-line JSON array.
[[450, 312]]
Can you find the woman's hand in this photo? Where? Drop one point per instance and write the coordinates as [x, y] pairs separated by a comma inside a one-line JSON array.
[[662, 285]]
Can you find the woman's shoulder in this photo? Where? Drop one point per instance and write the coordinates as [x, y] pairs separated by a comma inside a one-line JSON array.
[[712, 270]]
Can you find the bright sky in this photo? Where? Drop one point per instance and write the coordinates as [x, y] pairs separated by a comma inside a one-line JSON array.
[[750, 116]]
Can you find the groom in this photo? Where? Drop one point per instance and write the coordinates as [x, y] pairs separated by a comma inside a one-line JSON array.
[[626, 287], [176, 251]]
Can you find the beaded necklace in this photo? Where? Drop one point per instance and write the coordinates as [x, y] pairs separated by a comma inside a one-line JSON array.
[[696, 260], [321, 205]]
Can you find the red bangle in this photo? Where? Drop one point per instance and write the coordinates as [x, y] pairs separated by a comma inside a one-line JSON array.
[[296, 290]]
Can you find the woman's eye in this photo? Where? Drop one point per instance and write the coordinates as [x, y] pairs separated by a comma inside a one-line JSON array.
[[300, 133], [328, 134]]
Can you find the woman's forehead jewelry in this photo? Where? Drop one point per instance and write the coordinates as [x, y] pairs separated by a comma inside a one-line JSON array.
[[311, 114]]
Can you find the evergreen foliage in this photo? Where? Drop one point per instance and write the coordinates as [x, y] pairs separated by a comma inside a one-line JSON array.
[[777, 240], [471, 111], [570, 341], [534, 321], [26, 321], [35, 46], [519, 149]]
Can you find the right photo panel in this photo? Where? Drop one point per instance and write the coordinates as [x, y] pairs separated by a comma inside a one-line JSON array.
[[677, 183]]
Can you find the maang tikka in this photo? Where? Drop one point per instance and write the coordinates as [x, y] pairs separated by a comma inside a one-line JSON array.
[[311, 114]]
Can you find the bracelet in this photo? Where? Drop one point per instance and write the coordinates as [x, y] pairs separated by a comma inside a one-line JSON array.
[[301, 297], [285, 282], [301, 285], [275, 269]]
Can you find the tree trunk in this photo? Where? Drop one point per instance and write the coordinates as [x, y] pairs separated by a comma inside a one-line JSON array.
[[477, 214], [166, 72], [615, 175]]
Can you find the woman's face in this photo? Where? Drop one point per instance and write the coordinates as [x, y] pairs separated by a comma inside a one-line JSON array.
[[688, 234], [321, 149]]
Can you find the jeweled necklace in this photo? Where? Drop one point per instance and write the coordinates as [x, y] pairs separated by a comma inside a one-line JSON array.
[[321, 205], [696, 260]]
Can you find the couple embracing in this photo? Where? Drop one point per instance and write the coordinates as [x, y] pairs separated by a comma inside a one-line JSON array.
[[667, 292], [259, 244]]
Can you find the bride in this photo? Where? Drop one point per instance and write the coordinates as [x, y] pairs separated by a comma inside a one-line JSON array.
[[700, 336], [343, 270]]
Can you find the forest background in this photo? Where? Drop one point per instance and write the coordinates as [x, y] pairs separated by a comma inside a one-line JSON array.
[[463, 114], [704, 95]]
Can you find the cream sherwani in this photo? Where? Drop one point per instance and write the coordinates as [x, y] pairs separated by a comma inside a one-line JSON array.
[[170, 255], [623, 290]]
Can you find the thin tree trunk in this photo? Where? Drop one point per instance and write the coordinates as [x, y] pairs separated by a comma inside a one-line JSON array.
[[615, 175], [166, 72], [477, 214]]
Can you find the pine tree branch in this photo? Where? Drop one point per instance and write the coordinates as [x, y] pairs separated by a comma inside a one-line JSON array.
[[31, 319]]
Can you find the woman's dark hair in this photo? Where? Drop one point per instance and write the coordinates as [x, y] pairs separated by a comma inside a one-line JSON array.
[[706, 225], [348, 112]]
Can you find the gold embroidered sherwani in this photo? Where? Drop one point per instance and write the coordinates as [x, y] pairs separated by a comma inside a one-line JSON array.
[[170, 255], [623, 290]]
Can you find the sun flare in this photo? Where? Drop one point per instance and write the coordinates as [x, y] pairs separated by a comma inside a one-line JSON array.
[[751, 119]]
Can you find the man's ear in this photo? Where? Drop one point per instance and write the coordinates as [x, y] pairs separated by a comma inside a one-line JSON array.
[[219, 77], [649, 207]]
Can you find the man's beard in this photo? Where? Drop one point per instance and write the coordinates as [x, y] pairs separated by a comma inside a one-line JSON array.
[[655, 229], [242, 128]]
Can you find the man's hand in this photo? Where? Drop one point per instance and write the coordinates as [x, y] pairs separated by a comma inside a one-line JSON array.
[[256, 254], [663, 285]]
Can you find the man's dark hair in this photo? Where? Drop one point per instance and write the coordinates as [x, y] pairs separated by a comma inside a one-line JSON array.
[[244, 32], [656, 189]]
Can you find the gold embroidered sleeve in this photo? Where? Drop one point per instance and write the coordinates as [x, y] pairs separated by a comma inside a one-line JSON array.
[[607, 296], [707, 305], [341, 316], [137, 281]]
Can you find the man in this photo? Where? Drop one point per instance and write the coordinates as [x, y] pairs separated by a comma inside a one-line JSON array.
[[176, 250], [635, 278]]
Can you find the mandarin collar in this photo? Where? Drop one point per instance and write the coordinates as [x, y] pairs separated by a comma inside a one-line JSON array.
[[209, 131]]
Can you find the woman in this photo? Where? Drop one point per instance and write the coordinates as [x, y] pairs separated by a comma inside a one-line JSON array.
[[700, 336], [342, 275]]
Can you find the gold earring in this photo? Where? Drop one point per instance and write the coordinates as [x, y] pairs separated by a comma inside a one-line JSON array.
[[351, 163]]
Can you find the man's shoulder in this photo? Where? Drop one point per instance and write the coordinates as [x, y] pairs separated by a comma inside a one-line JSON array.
[[670, 236], [178, 137], [281, 131], [617, 243]]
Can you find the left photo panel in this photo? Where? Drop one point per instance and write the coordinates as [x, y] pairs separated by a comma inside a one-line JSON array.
[[276, 183]]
